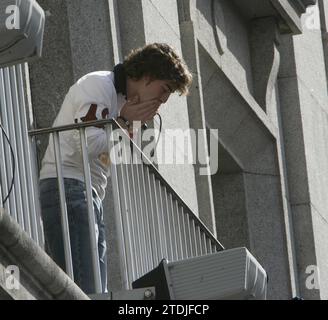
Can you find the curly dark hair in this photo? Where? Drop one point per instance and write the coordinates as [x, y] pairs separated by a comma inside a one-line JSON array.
[[159, 61]]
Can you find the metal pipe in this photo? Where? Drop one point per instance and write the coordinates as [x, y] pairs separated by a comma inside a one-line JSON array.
[[198, 241], [184, 235], [189, 236], [160, 222], [141, 226], [24, 190], [167, 223], [178, 229], [174, 235], [150, 214], [118, 208], [91, 214], [134, 218], [11, 207], [194, 239], [129, 211], [31, 175], [153, 213], [147, 220], [124, 144], [63, 207]]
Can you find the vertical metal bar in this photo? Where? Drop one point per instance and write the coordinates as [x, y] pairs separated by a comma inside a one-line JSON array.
[[184, 234], [178, 229], [63, 207], [21, 156], [193, 238], [203, 242], [3, 161], [129, 214], [91, 214], [189, 236], [208, 246], [156, 229], [11, 207], [167, 223], [135, 219], [150, 213], [160, 219], [199, 240], [141, 226], [174, 234], [31, 176], [147, 220], [120, 208], [3, 171], [33, 171]]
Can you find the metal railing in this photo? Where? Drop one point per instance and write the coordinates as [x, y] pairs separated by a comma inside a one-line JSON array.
[[152, 221], [16, 156]]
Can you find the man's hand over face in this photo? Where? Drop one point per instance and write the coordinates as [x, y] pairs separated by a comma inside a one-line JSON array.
[[134, 110]]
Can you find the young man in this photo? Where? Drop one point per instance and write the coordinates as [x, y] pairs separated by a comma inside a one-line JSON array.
[[133, 92]]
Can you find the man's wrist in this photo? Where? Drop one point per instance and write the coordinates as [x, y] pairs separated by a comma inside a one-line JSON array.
[[123, 122]]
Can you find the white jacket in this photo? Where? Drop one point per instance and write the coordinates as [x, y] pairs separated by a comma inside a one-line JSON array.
[[93, 97]]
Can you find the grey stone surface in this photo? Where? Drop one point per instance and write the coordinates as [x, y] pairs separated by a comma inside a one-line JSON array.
[[315, 128], [310, 64], [265, 60], [131, 25], [294, 141], [90, 36], [237, 53], [197, 121], [305, 247], [238, 127], [267, 231], [165, 13], [231, 211]]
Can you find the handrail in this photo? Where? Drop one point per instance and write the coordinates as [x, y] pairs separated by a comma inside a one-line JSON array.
[[145, 201], [77, 126]]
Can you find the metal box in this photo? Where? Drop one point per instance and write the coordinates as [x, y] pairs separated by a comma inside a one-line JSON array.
[[229, 274], [21, 31]]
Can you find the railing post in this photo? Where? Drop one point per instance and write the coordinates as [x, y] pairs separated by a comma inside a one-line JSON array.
[[91, 214], [118, 208], [31, 173], [63, 207]]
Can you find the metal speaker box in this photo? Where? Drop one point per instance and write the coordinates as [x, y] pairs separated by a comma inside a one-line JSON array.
[[226, 275], [21, 31]]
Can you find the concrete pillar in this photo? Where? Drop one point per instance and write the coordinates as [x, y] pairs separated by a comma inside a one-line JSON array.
[[265, 41], [196, 112]]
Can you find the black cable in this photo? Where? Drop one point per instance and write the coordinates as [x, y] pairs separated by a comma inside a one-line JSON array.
[[14, 165]]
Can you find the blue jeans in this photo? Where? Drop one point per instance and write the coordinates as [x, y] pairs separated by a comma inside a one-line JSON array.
[[78, 228]]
